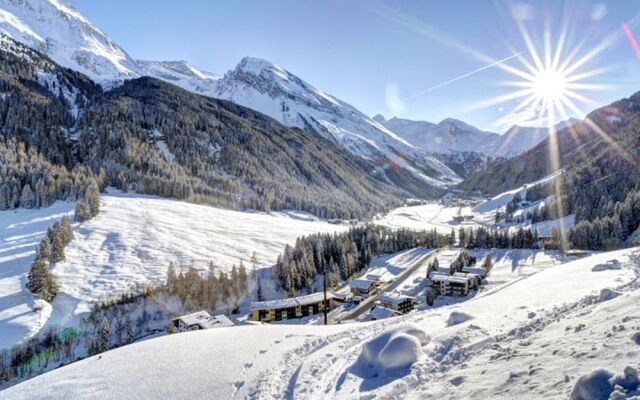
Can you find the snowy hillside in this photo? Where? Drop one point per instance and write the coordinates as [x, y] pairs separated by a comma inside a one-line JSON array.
[[519, 139], [129, 243], [578, 317], [56, 29], [20, 232]]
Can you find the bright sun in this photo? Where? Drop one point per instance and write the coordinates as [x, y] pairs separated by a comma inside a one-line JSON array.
[[549, 85]]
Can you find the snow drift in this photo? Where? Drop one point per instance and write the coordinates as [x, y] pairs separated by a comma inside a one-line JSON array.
[[391, 352]]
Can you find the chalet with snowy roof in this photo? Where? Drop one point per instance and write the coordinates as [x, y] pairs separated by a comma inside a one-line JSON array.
[[198, 320], [291, 308], [397, 302], [363, 287]]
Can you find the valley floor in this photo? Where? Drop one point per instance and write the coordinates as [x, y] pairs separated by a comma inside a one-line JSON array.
[[532, 337]]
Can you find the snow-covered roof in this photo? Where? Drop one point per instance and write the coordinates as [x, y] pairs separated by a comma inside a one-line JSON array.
[[394, 298], [459, 279], [439, 277], [450, 278], [467, 275], [361, 284], [381, 313], [291, 302], [474, 270], [204, 320], [373, 277]]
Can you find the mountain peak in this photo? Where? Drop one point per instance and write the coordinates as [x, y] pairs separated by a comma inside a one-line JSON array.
[[457, 125], [379, 118], [57, 29], [254, 65]]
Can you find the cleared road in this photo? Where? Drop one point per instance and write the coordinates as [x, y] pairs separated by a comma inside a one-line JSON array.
[[368, 303]]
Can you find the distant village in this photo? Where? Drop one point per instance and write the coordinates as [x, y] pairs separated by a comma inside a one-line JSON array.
[[366, 298]]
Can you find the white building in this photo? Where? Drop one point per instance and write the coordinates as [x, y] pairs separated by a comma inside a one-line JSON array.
[[451, 285], [199, 320], [397, 302], [290, 308], [362, 287]]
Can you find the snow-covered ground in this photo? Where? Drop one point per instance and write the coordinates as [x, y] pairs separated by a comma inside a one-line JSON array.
[[441, 216], [533, 338], [131, 242], [427, 216], [20, 233], [502, 199]]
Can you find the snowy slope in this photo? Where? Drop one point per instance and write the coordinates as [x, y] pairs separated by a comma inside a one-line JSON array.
[[519, 139], [532, 338], [61, 32], [182, 74], [426, 216], [20, 232], [130, 242], [501, 200]]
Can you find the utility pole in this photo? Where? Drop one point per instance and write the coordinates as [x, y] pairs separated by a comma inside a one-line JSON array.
[[324, 287]]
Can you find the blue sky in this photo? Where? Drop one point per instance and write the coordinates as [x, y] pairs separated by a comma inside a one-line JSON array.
[[378, 55]]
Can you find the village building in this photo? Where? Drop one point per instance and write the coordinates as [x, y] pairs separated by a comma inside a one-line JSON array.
[[198, 320], [462, 218], [451, 285], [291, 308], [397, 302], [362, 287], [379, 312], [475, 280]]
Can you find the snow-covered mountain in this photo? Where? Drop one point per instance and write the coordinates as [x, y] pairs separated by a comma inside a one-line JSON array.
[[182, 74], [56, 29], [452, 136], [519, 139], [272, 90], [448, 136]]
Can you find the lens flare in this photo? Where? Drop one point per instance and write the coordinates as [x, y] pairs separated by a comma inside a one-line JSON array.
[[549, 85]]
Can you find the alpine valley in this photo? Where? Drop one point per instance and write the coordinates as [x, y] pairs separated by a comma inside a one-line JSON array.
[[142, 199]]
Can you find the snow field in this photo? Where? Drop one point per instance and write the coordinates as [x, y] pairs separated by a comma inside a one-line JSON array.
[[533, 338], [20, 233], [426, 217], [130, 243]]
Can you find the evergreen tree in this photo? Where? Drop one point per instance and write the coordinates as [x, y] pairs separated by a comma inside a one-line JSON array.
[[103, 336], [487, 264], [41, 282]]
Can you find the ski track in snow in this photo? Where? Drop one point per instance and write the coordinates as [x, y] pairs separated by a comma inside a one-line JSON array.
[[320, 368], [532, 338]]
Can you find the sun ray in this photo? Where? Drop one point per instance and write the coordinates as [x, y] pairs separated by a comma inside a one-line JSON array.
[[530, 46], [605, 136]]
